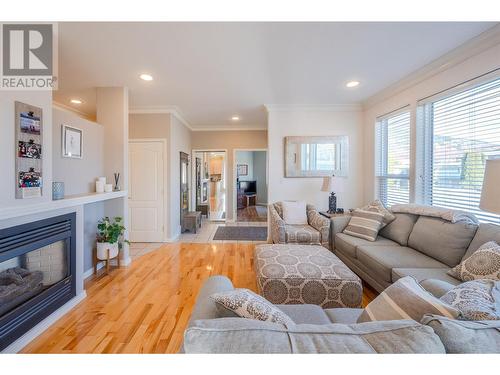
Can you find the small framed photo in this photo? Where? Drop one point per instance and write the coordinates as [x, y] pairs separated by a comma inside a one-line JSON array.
[[242, 170], [72, 140]]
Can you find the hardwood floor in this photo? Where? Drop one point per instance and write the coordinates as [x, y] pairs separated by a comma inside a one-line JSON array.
[[252, 213], [145, 308]]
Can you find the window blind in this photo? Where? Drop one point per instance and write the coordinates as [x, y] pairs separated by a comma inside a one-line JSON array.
[[393, 158], [461, 131]]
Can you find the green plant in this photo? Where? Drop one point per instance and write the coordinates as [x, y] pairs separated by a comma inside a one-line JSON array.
[[111, 231]]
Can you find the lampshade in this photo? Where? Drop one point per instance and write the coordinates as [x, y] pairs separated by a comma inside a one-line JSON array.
[[490, 196], [333, 183]]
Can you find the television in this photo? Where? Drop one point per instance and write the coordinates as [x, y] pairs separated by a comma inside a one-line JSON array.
[[248, 187]]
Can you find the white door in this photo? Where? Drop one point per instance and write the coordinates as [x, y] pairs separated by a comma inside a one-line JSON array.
[[146, 191]]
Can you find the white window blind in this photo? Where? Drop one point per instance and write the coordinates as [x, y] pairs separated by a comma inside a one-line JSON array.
[[393, 158], [460, 132]]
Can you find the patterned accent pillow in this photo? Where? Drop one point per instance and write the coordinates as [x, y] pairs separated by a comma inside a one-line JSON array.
[[405, 299], [484, 263], [476, 300], [364, 224], [378, 206], [247, 304]]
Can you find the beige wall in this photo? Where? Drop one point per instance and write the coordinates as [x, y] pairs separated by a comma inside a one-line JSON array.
[[315, 122], [473, 67], [229, 140]]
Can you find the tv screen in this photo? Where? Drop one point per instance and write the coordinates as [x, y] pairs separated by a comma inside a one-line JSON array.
[[248, 187]]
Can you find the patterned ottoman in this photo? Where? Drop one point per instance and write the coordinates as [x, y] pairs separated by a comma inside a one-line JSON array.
[[298, 274]]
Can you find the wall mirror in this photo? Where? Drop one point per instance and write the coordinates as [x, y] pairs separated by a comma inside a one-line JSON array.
[[317, 156]]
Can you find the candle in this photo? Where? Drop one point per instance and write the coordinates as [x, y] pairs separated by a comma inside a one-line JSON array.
[[108, 188], [99, 187]]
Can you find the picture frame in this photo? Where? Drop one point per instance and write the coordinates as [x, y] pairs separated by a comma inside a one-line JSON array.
[[72, 142], [242, 169]]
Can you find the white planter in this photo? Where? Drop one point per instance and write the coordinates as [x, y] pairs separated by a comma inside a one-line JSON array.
[[102, 250]]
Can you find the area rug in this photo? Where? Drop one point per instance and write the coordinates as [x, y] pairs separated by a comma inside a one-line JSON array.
[[241, 233]]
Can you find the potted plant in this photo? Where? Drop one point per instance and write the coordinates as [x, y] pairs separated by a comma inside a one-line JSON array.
[[110, 237]]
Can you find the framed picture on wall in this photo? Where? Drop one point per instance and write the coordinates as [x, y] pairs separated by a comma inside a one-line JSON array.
[[72, 140], [242, 169]]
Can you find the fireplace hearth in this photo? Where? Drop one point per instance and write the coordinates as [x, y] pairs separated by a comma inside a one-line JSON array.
[[37, 273]]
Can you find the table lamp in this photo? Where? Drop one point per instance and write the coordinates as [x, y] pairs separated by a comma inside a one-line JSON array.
[[332, 184], [490, 195]]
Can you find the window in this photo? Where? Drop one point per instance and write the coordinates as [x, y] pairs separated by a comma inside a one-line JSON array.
[[393, 158], [460, 131]]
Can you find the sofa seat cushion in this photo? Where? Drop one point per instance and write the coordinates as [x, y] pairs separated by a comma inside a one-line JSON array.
[[304, 234], [240, 336], [347, 244], [421, 274], [343, 315], [399, 230], [442, 240], [306, 314], [382, 259]]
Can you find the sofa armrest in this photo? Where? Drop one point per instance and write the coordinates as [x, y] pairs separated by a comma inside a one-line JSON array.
[[436, 287], [338, 224], [205, 307], [277, 226], [321, 224]]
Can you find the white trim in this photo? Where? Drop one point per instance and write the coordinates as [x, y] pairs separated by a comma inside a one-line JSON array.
[[314, 108], [235, 175], [45, 324], [474, 46], [67, 108], [231, 127], [172, 109], [166, 191]]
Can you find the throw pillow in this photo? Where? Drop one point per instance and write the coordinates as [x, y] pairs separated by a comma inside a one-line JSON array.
[[405, 299], [364, 224], [378, 206], [476, 300], [482, 264], [247, 304], [294, 213]]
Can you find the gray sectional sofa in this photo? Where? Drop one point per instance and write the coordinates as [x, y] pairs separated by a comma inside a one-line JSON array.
[[412, 245]]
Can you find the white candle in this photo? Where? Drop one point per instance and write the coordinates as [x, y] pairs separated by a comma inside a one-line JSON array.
[[108, 188], [102, 179], [99, 187]]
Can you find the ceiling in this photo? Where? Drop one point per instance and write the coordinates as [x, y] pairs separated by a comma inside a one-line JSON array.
[[213, 71]]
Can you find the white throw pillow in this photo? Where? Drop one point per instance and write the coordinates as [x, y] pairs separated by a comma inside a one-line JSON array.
[[294, 212]]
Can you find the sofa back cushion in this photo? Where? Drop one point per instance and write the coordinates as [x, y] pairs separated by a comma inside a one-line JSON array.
[[485, 233], [400, 228], [238, 335], [462, 337], [442, 240]]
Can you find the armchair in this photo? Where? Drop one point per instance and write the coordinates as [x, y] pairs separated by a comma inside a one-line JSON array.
[[316, 232]]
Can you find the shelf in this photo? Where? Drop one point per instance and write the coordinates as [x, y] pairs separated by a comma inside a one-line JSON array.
[[69, 201]]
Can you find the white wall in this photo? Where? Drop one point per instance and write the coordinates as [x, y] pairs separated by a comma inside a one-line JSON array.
[[8, 148], [472, 67], [245, 157], [321, 121]]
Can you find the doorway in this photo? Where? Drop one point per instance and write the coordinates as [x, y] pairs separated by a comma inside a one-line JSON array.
[[250, 185], [210, 183], [146, 190]]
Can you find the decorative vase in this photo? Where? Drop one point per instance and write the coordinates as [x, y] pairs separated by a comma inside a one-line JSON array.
[[102, 250], [57, 190]]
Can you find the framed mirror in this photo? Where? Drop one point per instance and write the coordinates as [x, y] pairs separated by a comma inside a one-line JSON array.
[[316, 156]]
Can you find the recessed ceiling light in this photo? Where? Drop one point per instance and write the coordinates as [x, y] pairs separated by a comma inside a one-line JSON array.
[[235, 118], [146, 77], [352, 84], [76, 101]]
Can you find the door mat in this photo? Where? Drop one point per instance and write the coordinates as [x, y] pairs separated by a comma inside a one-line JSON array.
[[241, 233]]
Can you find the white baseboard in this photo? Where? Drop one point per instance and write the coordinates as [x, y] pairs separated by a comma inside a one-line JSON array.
[[41, 327]]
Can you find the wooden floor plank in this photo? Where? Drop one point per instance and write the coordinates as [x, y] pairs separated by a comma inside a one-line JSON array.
[[144, 308]]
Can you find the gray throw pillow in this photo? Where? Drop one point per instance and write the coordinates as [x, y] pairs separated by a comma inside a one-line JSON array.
[[405, 299], [483, 264], [364, 224], [476, 300], [247, 304]]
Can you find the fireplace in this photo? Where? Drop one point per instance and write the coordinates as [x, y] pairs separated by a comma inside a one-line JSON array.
[[37, 273]]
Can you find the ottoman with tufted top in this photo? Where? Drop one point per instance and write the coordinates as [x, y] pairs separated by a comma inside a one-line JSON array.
[[299, 274]]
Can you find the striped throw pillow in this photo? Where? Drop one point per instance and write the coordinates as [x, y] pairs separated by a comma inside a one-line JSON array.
[[405, 299], [365, 224]]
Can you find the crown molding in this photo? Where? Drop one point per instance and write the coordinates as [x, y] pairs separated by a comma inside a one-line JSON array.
[[313, 108], [171, 109], [474, 46], [231, 127], [67, 108]]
